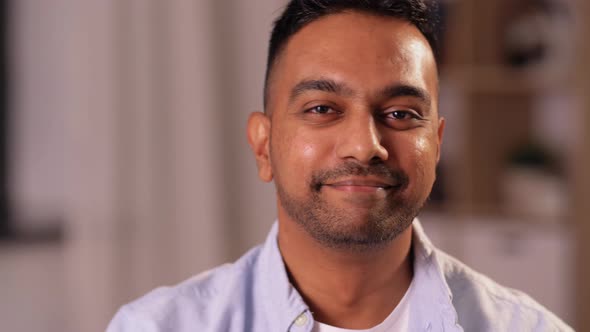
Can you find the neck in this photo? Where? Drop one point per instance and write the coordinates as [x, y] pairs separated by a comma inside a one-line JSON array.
[[348, 289]]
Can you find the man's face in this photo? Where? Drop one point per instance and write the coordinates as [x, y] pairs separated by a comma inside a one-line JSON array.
[[354, 133]]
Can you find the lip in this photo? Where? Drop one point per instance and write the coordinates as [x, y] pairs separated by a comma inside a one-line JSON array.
[[361, 184]]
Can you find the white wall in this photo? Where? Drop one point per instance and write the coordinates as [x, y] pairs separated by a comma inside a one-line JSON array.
[[131, 126]]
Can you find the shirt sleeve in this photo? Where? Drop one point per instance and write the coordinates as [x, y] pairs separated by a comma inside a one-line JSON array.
[[125, 321]]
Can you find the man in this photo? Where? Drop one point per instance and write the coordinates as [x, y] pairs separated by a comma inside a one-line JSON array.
[[351, 136]]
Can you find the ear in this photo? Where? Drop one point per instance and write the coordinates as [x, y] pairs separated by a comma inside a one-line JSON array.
[[441, 130], [259, 140]]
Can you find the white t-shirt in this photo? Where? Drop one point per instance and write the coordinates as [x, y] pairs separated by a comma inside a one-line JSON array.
[[398, 319]]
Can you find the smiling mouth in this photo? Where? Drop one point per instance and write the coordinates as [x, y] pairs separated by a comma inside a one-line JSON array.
[[362, 185]]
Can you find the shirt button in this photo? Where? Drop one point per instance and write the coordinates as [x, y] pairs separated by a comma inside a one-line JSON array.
[[301, 320]]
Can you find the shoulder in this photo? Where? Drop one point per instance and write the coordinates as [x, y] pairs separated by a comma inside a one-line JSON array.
[[199, 300], [484, 305]]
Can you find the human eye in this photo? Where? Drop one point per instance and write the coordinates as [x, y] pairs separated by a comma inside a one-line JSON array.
[[320, 109], [402, 119], [320, 113], [401, 115]]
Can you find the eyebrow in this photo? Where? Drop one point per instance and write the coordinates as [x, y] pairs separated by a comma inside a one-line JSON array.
[[325, 85], [404, 90]]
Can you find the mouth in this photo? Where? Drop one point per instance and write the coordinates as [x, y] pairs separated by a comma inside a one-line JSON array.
[[362, 184]]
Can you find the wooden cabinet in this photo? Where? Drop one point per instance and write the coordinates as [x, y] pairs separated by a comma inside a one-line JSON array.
[[498, 100]]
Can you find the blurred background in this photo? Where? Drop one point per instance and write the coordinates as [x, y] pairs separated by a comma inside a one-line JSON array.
[[124, 163]]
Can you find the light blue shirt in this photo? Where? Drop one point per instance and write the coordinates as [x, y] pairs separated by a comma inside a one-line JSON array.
[[254, 295]]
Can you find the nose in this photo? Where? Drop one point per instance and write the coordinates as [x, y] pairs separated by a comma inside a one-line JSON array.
[[361, 140]]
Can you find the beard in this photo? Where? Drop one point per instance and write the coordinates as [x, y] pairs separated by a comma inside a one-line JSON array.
[[341, 228]]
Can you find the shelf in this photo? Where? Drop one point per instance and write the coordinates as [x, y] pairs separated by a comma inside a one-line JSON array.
[[12, 235], [502, 80]]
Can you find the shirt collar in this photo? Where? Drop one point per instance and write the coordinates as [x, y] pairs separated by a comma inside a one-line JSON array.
[[282, 301], [284, 304], [436, 311], [426, 259]]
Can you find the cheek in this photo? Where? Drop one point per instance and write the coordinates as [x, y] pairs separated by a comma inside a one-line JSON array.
[[422, 145], [304, 158], [417, 157], [308, 151], [297, 155]]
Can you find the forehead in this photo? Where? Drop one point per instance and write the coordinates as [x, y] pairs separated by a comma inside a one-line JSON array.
[[365, 51]]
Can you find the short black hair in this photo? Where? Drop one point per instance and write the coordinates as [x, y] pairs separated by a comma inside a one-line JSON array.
[[424, 14]]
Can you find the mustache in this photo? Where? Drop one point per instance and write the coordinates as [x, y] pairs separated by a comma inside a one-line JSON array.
[[380, 170]]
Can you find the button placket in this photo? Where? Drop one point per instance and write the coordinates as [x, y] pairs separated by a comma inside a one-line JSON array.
[[302, 322]]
